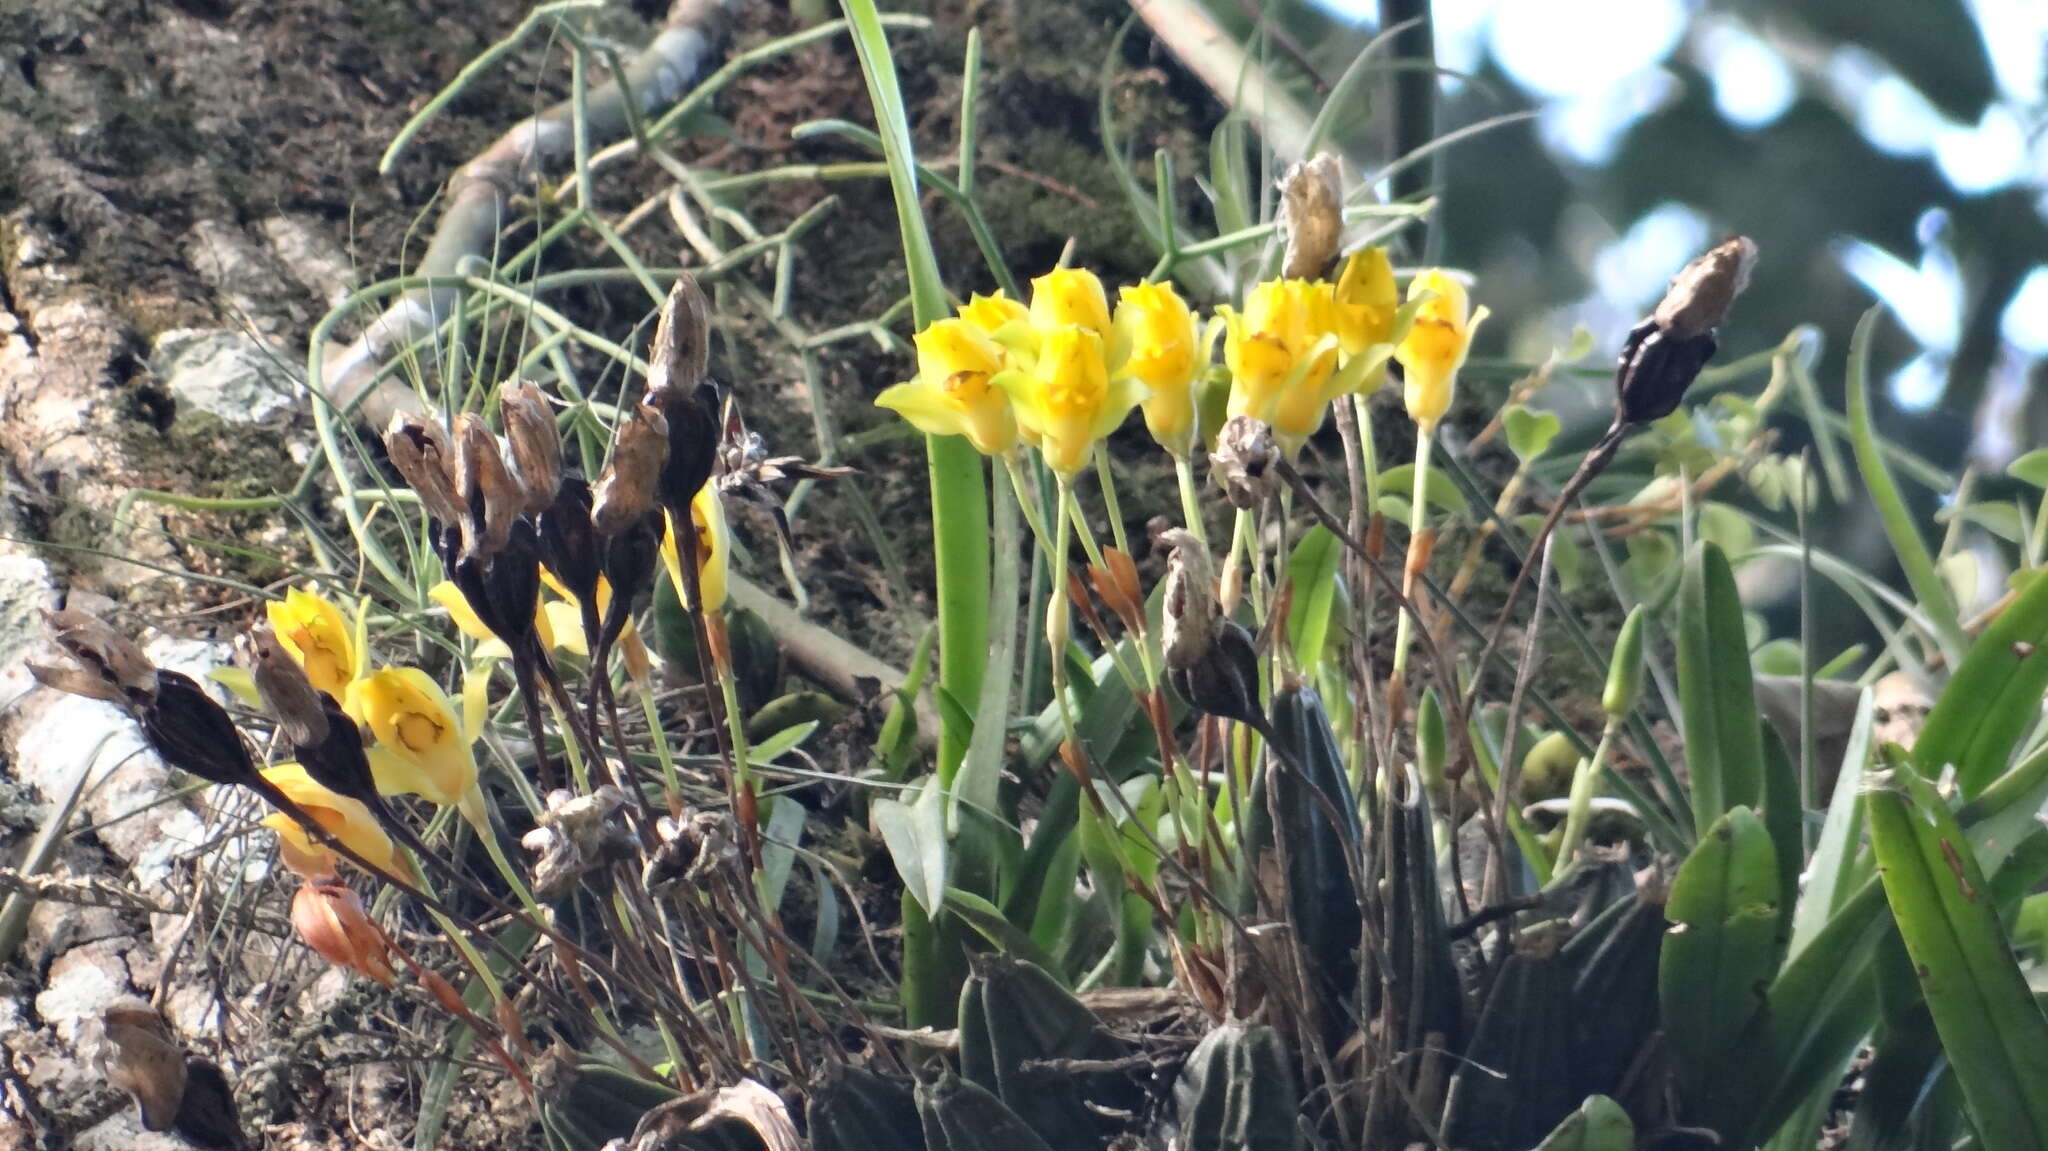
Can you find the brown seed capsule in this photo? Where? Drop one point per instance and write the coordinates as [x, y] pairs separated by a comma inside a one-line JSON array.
[[1312, 215], [420, 452], [193, 733], [290, 696], [1243, 461], [1210, 659], [1189, 604], [626, 490], [485, 485], [536, 444]]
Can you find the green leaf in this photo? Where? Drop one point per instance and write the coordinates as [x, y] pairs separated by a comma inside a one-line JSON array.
[[1313, 570], [1723, 945], [1439, 489], [1717, 694], [915, 834], [1598, 1125], [1834, 872], [1993, 1032], [2031, 468], [1899, 526], [766, 750], [1993, 699], [1726, 528], [987, 919], [1529, 431]]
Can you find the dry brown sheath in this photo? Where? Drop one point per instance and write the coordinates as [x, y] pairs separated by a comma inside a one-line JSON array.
[[626, 490], [681, 354], [1312, 215], [1243, 461]]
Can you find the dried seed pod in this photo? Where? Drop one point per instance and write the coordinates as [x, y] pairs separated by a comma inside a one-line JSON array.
[[193, 733], [282, 683], [488, 492], [626, 490], [1210, 660], [110, 666], [694, 436], [338, 761], [1189, 606], [568, 540], [420, 452], [575, 836], [1244, 460], [1702, 292], [536, 444], [1312, 215]]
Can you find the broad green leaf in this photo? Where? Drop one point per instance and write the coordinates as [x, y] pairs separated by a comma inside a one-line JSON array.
[[1598, 1125], [1994, 1035], [1723, 946], [915, 834], [987, 919], [1726, 528], [1717, 693], [1899, 526], [1999, 517], [1439, 489], [1993, 699], [1529, 431], [1313, 570], [1785, 816], [2031, 468]]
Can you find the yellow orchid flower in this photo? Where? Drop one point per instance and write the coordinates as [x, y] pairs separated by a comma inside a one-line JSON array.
[[994, 312], [951, 395], [565, 619], [1156, 342], [1066, 296], [316, 634], [714, 550], [1282, 352], [1366, 300], [423, 746], [1067, 400], [1436, 345], [347, 820], [466, 621]]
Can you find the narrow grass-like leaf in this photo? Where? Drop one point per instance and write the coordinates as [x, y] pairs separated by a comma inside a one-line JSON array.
[[1914, 558], [1598, 1125], [1723, 945], [1834, 870], [1717, 694], [1994, 1035], [1313, 572], [987, 919], [1993, 699]]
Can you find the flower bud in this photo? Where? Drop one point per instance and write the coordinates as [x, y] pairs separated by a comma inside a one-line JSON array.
[[420, 452], [1243, 462], [626, 490], [1312, 215], [536, 444], [1625, 674], [1432, 744]]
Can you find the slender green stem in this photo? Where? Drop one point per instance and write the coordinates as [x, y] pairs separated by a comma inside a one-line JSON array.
[[1585, 781], [1418, 520], [1190, 498], [1109, 501]]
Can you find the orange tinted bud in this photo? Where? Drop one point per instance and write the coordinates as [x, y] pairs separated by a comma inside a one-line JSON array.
[[331, 919]]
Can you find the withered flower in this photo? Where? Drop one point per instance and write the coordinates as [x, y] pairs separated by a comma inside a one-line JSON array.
[[110, 666], [536, 444], [290, 696], [576, 835], [1210, 658], [1243, 462], [627, 489], [421, 453], [681, 352], [568, 545], [747, 472], [485, 485], [1312, 215], [679, 388], [331, 919]]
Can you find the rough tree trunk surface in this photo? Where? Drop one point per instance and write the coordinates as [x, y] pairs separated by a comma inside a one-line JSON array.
[[185, 189]]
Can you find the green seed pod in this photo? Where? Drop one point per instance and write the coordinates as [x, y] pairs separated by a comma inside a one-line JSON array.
[[1625, 676], [1547, 768], [1432, 744]]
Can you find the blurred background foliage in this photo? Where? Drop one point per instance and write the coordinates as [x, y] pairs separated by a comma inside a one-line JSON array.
[[1876, 149]]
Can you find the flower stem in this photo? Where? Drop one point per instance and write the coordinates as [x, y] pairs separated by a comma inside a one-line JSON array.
[[1190, 502], [1418, 553]]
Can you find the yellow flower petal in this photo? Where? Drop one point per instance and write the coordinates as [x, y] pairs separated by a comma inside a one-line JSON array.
[[346, 819], [413, 721], [1067, 296], [316, 634]]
